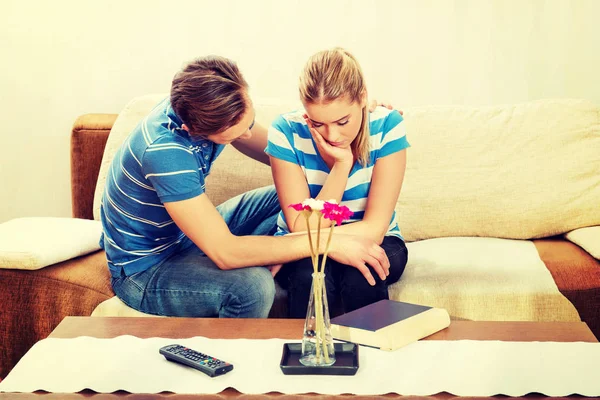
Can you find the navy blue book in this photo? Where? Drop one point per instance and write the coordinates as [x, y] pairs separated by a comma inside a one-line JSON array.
[[388, 324]]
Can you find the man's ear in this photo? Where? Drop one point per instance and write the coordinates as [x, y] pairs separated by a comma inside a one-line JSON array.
[[185, 128]]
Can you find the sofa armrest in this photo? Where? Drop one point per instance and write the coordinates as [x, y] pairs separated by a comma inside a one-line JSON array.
[[88, 139], [34, 302]]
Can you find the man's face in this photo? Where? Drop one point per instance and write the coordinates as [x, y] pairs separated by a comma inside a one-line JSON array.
[[239, 131]]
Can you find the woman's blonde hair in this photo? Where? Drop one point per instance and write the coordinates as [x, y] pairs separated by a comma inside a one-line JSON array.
[[331, 74]]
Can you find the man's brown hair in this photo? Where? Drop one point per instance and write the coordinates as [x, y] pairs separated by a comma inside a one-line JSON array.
[[208, 94]]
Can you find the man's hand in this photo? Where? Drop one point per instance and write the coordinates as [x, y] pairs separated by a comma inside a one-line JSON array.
[[373, 105], [358, 251]]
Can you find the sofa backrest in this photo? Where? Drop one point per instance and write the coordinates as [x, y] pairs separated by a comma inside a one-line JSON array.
[[521, 171]]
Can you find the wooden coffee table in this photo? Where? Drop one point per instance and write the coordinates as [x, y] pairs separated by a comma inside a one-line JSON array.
[[108, 327]]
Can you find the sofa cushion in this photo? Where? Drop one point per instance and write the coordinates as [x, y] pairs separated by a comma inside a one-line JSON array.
[[234, 173], [522, 171], [587, 238], [114, 307], [36, 242], [482, 279], [133, 113]]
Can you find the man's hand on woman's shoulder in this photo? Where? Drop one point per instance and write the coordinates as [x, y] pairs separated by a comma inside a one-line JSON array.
[[374, 103]]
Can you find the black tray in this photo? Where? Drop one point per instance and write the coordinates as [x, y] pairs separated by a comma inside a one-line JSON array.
[[346, 361]]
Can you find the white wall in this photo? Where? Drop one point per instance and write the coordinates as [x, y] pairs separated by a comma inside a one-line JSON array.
[[62, 58]]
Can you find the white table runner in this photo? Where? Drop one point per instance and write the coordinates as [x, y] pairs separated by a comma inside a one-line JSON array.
[[465, 368]]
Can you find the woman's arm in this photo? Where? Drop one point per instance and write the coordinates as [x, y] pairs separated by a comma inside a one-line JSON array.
[[386, 182], [292, 188]]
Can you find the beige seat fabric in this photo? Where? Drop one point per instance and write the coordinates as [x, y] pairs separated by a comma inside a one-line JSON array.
[[114, 307]]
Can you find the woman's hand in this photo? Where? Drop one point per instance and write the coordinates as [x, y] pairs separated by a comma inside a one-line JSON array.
[[342, 155]]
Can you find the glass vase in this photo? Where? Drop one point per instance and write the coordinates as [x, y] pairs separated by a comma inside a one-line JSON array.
[[317, 343]]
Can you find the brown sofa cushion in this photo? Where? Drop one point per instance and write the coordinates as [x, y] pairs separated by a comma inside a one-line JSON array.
[[34, 302]]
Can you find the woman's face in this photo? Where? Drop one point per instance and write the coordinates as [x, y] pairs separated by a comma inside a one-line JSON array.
[[338, 122]]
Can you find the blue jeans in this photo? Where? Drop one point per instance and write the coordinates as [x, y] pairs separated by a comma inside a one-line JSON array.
[[189, 284]]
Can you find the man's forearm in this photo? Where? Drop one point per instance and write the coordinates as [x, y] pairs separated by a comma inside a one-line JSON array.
[[359, 228], [364, 229], [248, 251]]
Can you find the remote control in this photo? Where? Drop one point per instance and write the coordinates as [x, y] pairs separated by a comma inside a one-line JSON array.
[[202, 362]]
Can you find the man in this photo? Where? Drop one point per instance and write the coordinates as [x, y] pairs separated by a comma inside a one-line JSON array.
[[170, 251]]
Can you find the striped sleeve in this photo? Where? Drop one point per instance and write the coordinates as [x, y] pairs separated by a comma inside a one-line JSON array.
[[173, 171], [280, 141], [393, 137]]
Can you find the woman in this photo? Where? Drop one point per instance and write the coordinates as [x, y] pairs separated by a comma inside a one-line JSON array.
[[336, 149]]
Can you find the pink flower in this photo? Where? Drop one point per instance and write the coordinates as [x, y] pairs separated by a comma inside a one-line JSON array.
[[299, 207], [336, 212]]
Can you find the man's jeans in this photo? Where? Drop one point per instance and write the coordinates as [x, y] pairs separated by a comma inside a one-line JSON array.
[[189, 284]]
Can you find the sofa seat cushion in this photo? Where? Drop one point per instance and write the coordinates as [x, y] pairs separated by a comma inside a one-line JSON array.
[[482, 279], [114, 307], [34, 302], [36, 242]]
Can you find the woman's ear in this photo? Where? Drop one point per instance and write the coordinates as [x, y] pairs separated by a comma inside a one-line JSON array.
[[185, 128]]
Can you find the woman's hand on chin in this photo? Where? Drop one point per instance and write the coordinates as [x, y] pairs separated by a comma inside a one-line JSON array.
[[342, 154]]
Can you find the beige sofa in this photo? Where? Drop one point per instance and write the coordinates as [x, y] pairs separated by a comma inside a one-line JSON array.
[[489, 194]]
